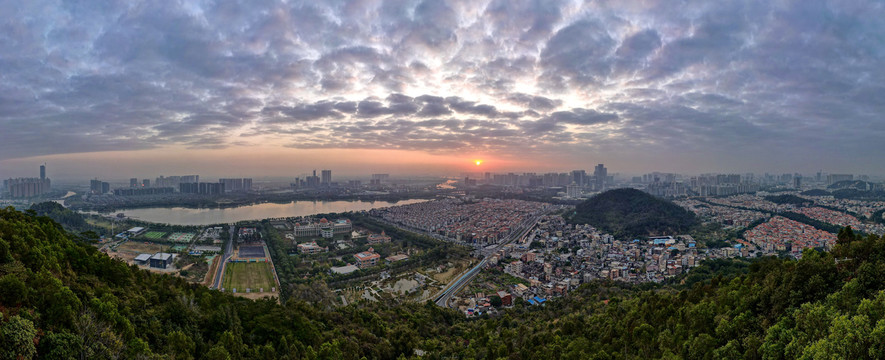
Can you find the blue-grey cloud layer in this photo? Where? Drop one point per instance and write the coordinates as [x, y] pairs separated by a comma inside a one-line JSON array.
[[608, 77]]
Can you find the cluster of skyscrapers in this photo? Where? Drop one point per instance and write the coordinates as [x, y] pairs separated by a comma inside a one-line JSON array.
[[577, 179], [188, 184], [314, 181], [174, 181], [28, 187]]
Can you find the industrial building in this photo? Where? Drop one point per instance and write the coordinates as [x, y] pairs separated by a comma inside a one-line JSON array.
[[161, 260]]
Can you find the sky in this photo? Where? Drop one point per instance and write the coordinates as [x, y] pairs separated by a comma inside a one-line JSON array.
[[255, 87]]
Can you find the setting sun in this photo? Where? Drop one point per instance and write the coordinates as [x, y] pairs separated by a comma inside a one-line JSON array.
[[478, 162]]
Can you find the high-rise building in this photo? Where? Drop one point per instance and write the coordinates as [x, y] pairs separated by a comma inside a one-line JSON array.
[[600, 173], [146, 183], [834, 178], [327, 177], [133, 182], [236, 184], [797, 182], [28, 187], [175, 181], [313, 180], [201, 188], [137, 191], [579, 177], [95, 186], [573, 190]]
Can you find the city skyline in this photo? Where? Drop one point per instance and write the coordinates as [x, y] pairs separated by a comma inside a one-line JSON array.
[[429, 87]]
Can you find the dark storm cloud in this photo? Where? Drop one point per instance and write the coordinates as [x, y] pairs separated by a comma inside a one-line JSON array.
[[443, 76]]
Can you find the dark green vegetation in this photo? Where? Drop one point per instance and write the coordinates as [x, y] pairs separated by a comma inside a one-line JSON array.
[[809, 221], [94, 225], [60, 299], [788, 199], [850, 184], [816, 192], [628, 213]]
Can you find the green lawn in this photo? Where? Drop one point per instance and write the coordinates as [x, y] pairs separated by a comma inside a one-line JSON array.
[[255, 276], [156, 235]]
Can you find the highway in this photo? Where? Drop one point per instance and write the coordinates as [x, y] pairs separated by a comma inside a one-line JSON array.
[[443, 298], [219, 274]]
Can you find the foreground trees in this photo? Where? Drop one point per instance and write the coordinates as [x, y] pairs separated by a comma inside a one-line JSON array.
[[60, 298]]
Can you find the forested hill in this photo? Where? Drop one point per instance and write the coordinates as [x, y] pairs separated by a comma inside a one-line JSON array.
[[61, 299], [627, 213]]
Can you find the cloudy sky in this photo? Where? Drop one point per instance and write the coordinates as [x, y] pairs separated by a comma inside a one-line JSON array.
[[279, 87]]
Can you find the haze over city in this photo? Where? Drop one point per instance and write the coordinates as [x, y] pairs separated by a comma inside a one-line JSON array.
[[428, 87]]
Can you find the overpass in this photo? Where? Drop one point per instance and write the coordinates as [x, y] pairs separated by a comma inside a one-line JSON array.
[[443, 297]]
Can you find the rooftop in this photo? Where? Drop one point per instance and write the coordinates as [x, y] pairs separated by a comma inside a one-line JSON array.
[[161, 256]]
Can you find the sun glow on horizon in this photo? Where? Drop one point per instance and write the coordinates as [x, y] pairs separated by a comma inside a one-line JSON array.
[[478, 162]]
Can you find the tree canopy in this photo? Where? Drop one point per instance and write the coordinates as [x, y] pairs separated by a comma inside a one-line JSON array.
[[630, 213]]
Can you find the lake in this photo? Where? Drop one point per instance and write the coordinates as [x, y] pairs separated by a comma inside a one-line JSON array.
[[206, 216]]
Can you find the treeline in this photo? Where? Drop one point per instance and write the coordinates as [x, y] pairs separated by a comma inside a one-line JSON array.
[[62, 299], [788, 199], [809, 221]]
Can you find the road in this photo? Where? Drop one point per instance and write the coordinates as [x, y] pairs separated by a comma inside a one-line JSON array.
[[219, 274], [443, 298]]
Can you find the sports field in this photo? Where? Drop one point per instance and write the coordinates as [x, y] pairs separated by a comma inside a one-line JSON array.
[[155, 235], [181, 237], [251, 251], [254, 276]]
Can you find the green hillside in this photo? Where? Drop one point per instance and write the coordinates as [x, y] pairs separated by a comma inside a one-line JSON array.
[[62, 299], [788, 200], [627, 213], [816, 192]]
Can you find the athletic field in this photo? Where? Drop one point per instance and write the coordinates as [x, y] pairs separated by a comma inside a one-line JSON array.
[[251, 251], [243, 275], [155, 235], [181, 237]]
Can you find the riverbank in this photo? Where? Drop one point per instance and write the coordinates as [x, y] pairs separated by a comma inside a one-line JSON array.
[[110, 203], [203, 216]]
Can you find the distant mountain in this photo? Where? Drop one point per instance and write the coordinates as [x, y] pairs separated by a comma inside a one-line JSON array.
[[628, 213]]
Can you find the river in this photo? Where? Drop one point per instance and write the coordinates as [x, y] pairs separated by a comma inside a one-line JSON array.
[[206, 216]]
